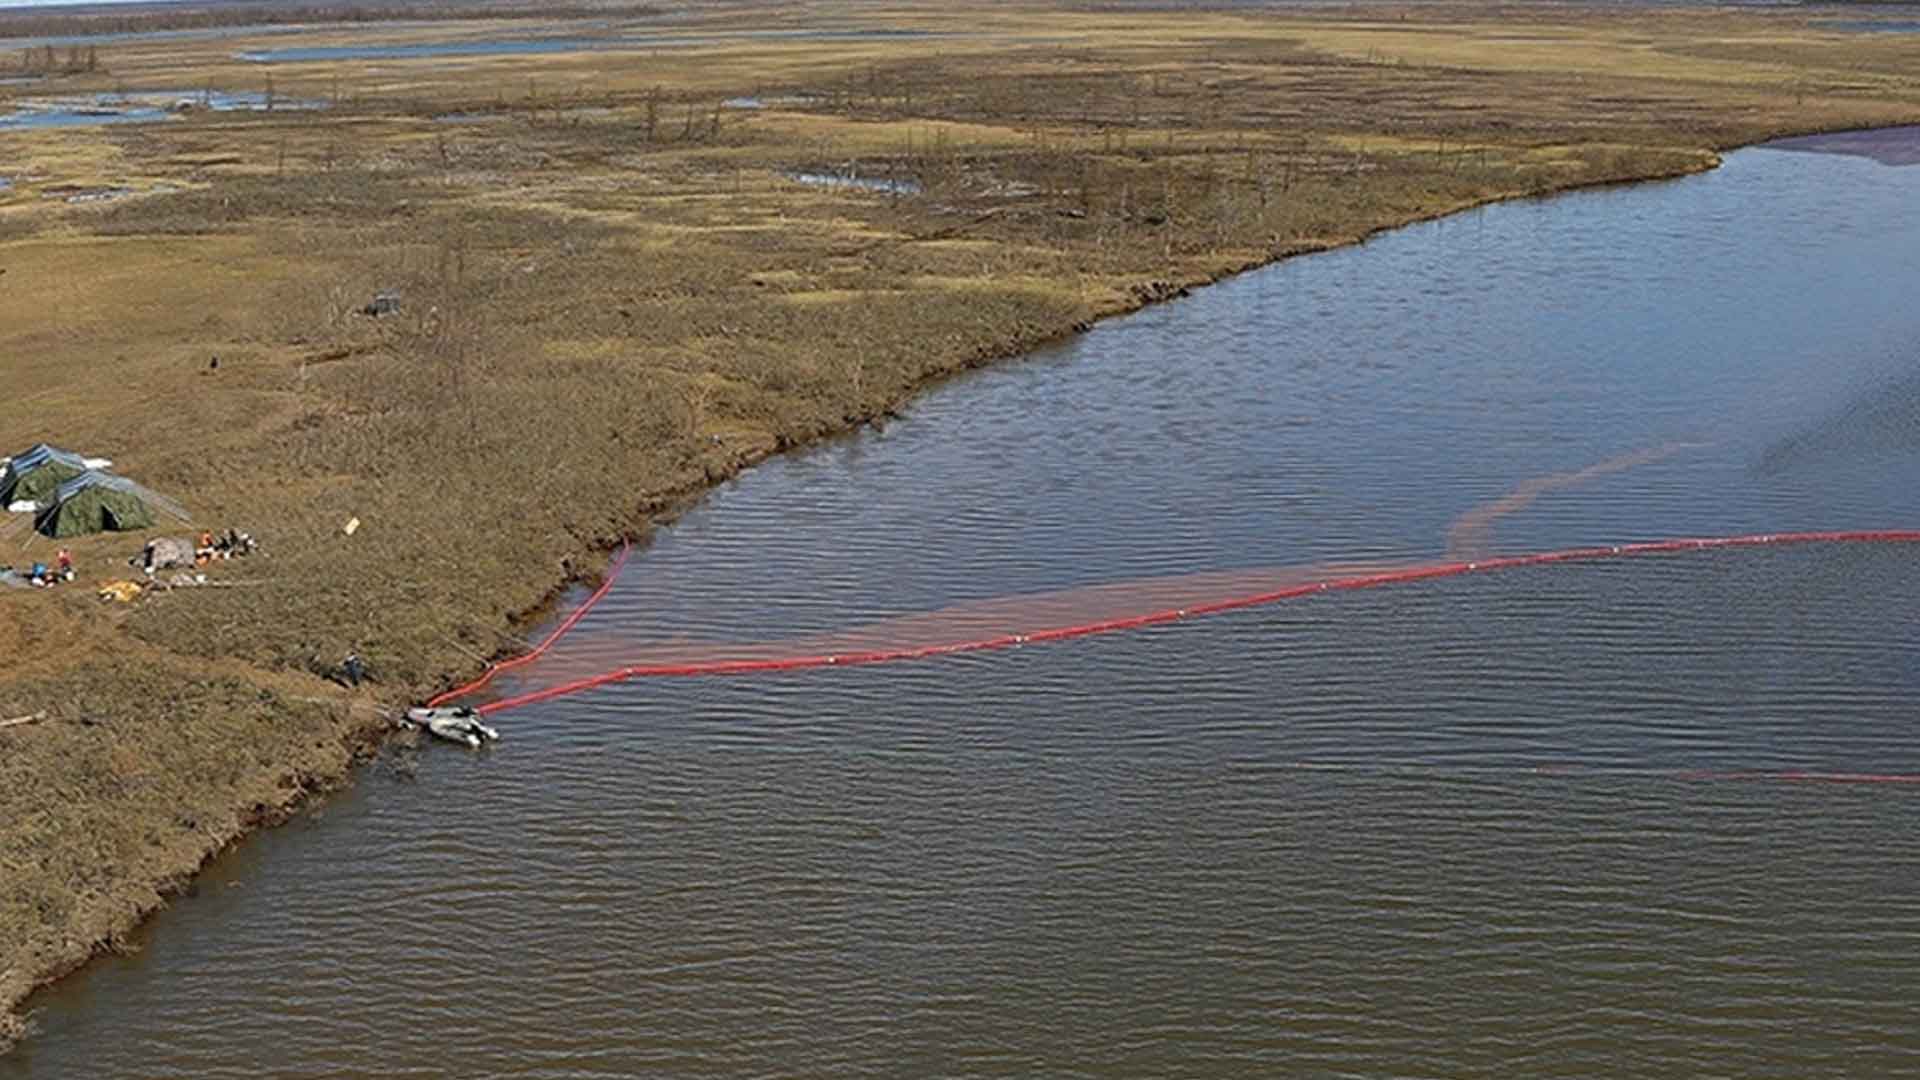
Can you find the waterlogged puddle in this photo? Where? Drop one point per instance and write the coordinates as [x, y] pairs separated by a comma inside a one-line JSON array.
[[76, 195], [884, 185], [49, 115], [538, 46], [145, 106], [89, 195], [224, 100], [757, 101]]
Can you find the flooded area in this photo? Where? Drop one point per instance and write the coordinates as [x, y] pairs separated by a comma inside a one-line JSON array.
[[773, 101], [469, 118], [141, 106], [882, 184], [32, 115], [1515, 824], [88, 195]]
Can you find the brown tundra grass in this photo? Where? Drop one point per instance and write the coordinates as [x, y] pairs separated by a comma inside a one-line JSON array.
[[613, 297]]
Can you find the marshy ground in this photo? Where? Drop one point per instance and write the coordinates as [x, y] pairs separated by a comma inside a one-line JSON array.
[[615, 292]]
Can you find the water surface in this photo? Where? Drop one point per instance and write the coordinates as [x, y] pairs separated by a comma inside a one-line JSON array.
[[142, 106], [884, 185], [1464, 828], [26, 117]]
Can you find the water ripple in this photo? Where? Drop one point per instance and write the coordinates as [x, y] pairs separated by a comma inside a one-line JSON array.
[[1483, 825]]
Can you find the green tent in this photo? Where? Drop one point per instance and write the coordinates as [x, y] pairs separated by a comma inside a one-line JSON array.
[[33, 475], [98, 502]]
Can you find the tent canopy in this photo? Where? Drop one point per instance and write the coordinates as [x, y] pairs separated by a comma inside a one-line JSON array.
[[95, 501], [37, 471]]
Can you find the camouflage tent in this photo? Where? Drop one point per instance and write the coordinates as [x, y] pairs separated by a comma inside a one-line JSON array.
[[96, 501], [34, 474]]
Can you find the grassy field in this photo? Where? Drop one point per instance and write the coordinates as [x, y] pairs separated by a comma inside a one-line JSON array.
[[614, 295]]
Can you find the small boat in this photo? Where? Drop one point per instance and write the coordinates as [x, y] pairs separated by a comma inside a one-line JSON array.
[[459, 724]]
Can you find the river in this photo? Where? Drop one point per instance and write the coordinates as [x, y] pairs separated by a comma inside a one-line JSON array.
[[1499, 824]]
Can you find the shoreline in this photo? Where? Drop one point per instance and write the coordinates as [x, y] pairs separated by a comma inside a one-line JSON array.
[[663, 509], [369, 731]]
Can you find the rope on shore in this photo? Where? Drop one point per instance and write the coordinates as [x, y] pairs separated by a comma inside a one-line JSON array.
[[1333, 584]]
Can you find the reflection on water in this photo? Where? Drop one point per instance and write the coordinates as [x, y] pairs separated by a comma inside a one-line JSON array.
[[1453, 829]]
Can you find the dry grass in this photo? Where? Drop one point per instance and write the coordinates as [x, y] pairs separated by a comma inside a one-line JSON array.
[[613, 297]]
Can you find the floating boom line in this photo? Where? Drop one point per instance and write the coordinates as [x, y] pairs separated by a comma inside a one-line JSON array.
[[1337, 583]]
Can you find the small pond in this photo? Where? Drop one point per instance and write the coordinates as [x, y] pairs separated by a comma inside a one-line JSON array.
[[765, 101], [140, 106], [884, 185]]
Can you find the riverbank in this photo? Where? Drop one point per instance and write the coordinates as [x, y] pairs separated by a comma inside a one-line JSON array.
[[614, 298]]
